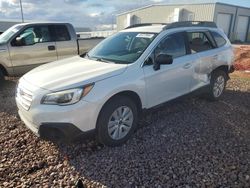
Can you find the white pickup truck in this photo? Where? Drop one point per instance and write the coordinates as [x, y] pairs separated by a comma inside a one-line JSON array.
[[28, 45]]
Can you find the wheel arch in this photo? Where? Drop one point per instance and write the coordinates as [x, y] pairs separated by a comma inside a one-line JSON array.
[[127, 93], [3, 70], [223, 68], [130, 94]]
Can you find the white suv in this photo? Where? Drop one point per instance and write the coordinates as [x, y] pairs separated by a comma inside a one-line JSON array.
[[138, 68]]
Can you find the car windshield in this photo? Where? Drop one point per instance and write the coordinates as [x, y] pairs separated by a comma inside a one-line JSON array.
[[9, 33], [123, 47]]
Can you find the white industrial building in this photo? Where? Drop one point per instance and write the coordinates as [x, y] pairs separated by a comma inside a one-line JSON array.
[[93, 34], [234, 20]]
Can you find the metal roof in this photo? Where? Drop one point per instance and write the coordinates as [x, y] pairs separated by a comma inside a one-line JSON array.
[[180, 4]]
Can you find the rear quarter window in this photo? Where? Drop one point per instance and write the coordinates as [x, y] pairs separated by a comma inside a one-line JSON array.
[[61, 33], [220, 41]]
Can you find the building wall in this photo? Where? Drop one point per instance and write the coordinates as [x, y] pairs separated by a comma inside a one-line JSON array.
[[166, 14], [244, 12], [94, 34], [197, 12], [202, 12], [235, 11]]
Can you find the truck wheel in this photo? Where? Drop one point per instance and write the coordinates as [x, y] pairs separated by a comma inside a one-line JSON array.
[[1, 75], [117, 121], [217, 85]]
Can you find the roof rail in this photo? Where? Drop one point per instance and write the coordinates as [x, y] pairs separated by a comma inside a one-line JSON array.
[[190, 24], [144, 24]]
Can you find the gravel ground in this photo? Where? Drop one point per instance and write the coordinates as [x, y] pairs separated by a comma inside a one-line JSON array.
[[189, 143]]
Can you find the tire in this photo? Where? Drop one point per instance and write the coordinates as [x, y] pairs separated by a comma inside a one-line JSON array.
[[117, 121], [217, 85], [1, 76]]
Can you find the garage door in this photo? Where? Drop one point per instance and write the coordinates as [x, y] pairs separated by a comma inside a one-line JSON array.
[[241, 30], [248, 34], [224, 22]]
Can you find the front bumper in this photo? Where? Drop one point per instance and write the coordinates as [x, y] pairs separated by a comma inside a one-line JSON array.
[[63, 123], [65, 132]]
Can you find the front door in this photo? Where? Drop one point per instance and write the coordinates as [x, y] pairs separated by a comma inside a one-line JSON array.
[[172, 80], [32, 47]]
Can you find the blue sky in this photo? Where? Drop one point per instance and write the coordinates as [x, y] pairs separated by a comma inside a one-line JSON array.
[[84, 13]]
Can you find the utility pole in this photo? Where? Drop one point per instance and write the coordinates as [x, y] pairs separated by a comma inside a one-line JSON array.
[[21, 6]]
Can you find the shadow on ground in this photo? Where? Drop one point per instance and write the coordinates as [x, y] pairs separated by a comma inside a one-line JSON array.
[[190, 142], [7, 96]]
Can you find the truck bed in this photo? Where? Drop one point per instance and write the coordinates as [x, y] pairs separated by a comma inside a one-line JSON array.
[[84, 45]]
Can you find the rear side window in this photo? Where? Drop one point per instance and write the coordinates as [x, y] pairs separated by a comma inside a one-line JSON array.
[[198, 42], [173, 45], [61, 33], [220, 41]]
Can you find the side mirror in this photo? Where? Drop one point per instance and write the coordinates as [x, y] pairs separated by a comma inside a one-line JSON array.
[[19, 41], [162, 59]]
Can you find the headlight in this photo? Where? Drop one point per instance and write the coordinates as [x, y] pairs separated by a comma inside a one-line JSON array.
[[67, 97]]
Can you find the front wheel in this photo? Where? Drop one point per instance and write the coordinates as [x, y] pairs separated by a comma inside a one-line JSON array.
[[117, 121], [1, 75], [217, 85]]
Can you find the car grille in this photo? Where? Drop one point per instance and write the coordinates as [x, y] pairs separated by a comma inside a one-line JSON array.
[[24, 97]]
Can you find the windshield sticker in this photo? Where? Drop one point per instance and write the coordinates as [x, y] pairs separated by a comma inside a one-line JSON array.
[[145, 35]]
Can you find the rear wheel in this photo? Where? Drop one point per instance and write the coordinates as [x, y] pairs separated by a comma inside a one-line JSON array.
[[217, 85], [117, 121]]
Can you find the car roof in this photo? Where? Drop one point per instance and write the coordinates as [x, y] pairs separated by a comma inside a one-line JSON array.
[[42, 23]]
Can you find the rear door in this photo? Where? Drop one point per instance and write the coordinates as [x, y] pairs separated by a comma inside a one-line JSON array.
[[66, 45], [33, 46], [202, 46], [170, 81]]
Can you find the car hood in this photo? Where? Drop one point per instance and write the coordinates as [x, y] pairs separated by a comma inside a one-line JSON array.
[[72, 72]]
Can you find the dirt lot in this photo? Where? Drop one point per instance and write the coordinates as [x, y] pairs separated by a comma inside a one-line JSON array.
[[189, 143], [242, 57]]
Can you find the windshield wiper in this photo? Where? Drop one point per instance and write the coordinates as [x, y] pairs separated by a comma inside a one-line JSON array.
[[104, 60]]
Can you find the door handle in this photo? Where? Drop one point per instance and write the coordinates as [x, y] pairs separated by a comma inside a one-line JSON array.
[[51, 48], [187, 66]]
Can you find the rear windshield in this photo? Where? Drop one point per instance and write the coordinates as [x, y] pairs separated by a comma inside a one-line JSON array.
[[123, 47]]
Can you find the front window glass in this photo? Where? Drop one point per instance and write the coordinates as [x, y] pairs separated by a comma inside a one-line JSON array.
[[123, 47], [9, 33], [32, 35], [173, 45]]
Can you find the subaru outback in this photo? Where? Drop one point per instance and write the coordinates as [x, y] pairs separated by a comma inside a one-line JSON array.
[[104, 91]]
